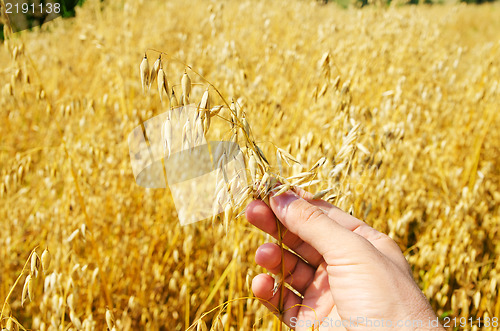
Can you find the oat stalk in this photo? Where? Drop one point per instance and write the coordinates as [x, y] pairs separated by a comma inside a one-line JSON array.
[[16, 282]]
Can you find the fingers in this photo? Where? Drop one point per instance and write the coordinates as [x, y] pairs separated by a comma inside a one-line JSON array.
[[317, 302], [262, 287], [260, 215], [345, 219], [381, 241], [297, 273], [313, 226]]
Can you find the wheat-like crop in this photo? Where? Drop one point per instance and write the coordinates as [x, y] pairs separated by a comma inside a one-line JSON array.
[[389, 113]]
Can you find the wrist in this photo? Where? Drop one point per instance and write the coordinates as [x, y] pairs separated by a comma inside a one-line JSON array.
[[426, 320]]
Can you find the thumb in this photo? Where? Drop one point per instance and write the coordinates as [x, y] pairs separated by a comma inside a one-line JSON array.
[[311, 224]]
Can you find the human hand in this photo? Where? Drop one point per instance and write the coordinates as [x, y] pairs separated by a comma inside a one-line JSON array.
[[348, 274]]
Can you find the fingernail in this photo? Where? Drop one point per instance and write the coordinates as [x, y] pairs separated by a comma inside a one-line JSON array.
[[280, 202]]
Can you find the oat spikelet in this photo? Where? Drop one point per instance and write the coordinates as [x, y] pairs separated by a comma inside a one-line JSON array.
[[154, 71], [217, 325], [324, 63], [187, 135], [35, 264], [252, 166], [201, 326], [75, 320], [338, 168], [10, 323], [206, 120], [246, 127], [162, 83], [245, 194], [263, 185], [222, 168], [321, 194], [235, 110], [20, 173], [282, 154], [302, 175], [282, 189], [167, 136], [261, 156], [71, 301], [219, 150], [363, 149], [144, 73], [186, 85], [110, 319], [204, 101], [233, 113], [54, 321], [7, 182], [199, 132], [277, 282], [319, 163], [215, 110], [173, 100], [27, 290], [348, 144]]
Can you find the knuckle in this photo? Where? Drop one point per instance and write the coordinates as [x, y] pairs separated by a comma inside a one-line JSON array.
[[390, 243], [387, 242], [309, 213]]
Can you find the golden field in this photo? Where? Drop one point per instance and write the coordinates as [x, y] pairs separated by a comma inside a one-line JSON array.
[[422, 83]]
